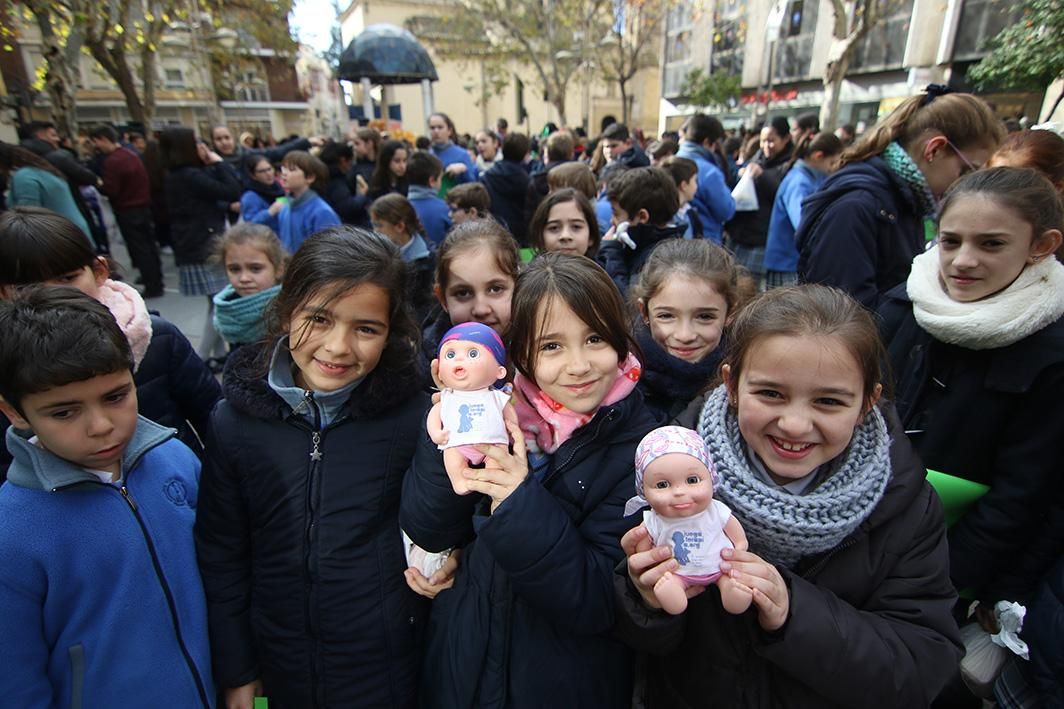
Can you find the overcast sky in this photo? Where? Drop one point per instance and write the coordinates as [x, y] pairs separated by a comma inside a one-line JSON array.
[[312, 20]]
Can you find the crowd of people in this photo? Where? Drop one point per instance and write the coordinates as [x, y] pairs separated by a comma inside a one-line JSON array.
[[499, 420]]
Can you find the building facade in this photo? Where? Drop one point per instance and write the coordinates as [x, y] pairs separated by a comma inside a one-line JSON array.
[[780, 49]]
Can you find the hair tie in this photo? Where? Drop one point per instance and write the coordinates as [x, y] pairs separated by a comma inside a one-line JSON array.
[[933, 91]]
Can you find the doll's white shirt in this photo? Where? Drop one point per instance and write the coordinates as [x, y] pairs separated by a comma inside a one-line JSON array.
[[473, 416], [700, 541]]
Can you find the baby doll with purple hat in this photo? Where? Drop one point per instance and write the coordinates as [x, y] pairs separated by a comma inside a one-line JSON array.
[[472, 410], [674, 475]]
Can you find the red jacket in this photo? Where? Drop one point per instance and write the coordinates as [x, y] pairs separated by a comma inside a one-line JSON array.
[[125, 180]]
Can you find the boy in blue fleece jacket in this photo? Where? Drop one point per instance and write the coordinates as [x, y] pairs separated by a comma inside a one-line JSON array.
[[101, 603], [306, 213], [423, 171]]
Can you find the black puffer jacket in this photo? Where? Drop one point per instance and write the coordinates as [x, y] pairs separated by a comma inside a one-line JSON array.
[[751, 228], [992, 416], [507, 184], [870, 622], [345, 201], [193, 198], [527, 622], [301, 555]]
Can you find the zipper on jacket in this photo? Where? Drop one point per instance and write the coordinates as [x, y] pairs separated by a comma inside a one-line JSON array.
[[166, 592], [583, 443], [822, 562]]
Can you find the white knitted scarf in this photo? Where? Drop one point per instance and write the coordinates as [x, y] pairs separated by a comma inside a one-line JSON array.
[[1033, 301]]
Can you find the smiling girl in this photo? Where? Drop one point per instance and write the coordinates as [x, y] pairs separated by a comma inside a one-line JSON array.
[[527, 623], [846, 564], [476, 268], [974, 337], [685, 296], [296, 528]]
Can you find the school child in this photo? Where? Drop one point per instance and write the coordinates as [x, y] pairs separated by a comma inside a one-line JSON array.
[[101, 602], [174, 386], [390, 173], [974, 338], [527, 622], [684, 173], [814, 159], [507, 183], [565, 223], [296, 529], [262, 199], [423, 171], [861, 230], [685, 297], [643, 202], [847, 561], [306, 212], [254, 259], [476, 268], [395, 217], [577, 175], [468, 201]]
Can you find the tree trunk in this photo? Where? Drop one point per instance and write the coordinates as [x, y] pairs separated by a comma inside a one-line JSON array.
[[622, 85], [59, 75], [113, 60], [839, 57], [147, 71], [557, 99]]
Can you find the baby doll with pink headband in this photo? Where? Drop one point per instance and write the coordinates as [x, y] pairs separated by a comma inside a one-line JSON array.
[[471, 410], [675, 476]]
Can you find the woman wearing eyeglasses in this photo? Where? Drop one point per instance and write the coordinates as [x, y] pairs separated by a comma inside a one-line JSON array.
[[259, 203], [861, 230]]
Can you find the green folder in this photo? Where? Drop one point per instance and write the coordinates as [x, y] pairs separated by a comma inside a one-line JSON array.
[[957, 494], [261, 703], [527, 254]]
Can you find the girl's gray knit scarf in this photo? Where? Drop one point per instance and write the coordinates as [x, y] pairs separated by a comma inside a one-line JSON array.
[[781, 527]]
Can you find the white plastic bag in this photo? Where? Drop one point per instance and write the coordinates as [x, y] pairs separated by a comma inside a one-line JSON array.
[[745, 194], [985, 654]]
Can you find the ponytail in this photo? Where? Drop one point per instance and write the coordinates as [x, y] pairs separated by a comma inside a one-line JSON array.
[[966, 120], [825, 143]]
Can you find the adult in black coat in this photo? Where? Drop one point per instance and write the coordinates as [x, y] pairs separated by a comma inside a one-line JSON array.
[[869, 621], [862, 228], [527, 621], [196, 182], [299, 543], [507, 184]]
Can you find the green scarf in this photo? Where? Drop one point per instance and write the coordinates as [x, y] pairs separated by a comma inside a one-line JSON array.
[[901, 164], [239, 320]]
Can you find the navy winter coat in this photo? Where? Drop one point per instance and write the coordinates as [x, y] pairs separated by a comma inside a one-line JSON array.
[[193, 196], [993, 417], [507, 184], [527, 622], [344, 200], [623, 263], [299, 544], [860, 232], [870, 621]]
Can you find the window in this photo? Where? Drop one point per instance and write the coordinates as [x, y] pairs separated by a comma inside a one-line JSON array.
[[173, 78], [794, 50], [884, 46], [981, 21], [729, 37], [678, 45]]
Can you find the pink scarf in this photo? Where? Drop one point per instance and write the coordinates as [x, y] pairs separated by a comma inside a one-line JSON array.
[[129, 310], [547, 424]]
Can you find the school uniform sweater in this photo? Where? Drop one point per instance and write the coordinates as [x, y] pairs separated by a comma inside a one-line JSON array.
[[101, 603], [303, 216]]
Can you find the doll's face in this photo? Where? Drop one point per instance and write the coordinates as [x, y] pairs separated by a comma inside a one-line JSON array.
[[468, 366], [677, 485]]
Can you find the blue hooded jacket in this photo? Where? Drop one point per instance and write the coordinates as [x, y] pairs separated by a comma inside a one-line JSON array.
[[713, 200], [101, 602], [780, 252]]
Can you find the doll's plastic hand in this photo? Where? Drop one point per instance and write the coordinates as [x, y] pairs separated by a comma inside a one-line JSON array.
[[768, 588], [439, 581], [648, 563], [505, 471], [243, 697]]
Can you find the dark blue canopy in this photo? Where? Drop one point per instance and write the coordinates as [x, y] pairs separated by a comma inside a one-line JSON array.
[[386, 54]]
